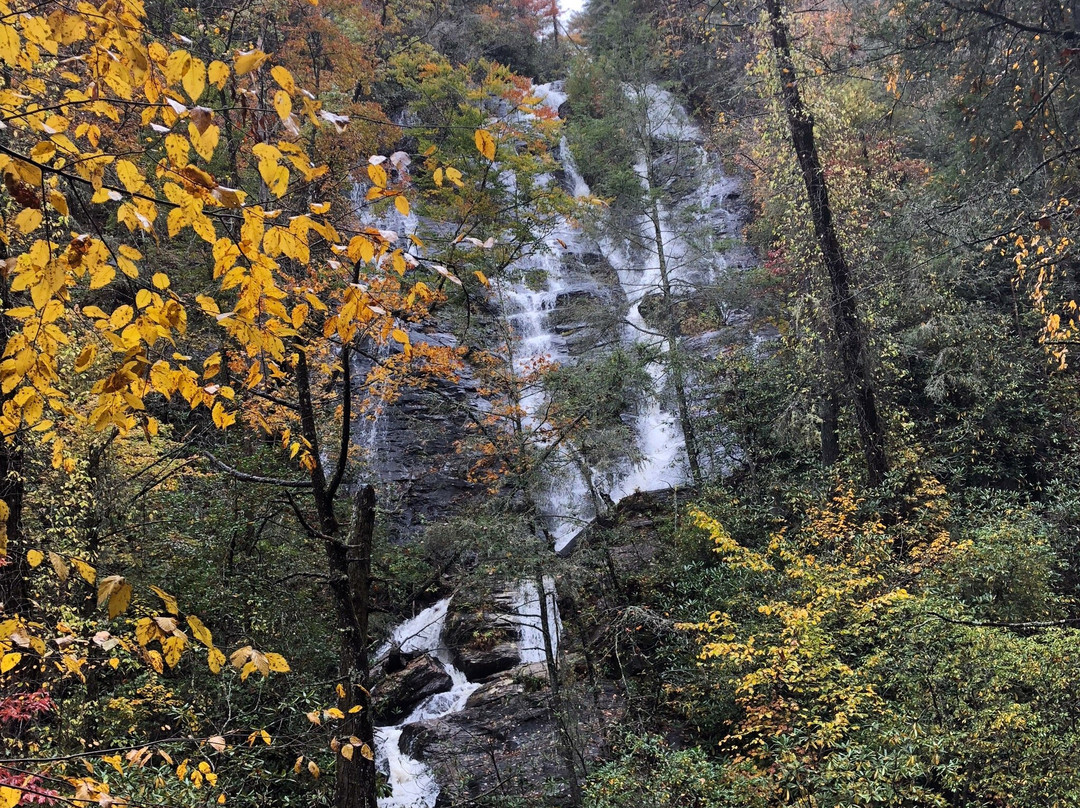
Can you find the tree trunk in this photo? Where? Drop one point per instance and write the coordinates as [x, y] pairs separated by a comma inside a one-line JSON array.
[[849, 333], [350, 576], [14, 598], [558, 706], [830, 431], [671, 328]]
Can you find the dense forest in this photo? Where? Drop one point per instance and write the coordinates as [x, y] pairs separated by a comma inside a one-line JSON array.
[[462, 403]]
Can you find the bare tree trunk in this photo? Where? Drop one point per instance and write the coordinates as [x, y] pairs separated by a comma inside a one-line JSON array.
[[671, 329], [850, 338], [830, 433], [558, 706], [350, 576]]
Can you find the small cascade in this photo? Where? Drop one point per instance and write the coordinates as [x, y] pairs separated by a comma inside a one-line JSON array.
[[526, 603], [411, 782]]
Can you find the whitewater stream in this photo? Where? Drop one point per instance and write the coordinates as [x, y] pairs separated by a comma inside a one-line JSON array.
[[693, 231]]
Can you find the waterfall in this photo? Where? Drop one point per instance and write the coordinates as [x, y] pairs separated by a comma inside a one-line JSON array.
[[411, 782], [564, 501], [694, 230]]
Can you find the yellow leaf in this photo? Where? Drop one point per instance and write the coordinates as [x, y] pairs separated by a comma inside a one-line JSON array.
[[480, 276], [282, 104], [365, 751], [176, 64], [454, 176], [9, 797], [9, 53], [277, 663], [200, 631], [314, 718], [121, 316], [485, 143], [34, 557], [215, 659], [174, 648], [57, 200], [178, 148], [347, 751], [161, 280], [217, 73], [86, 358], [119, 601], [311, 767], [167, 599], [437, 177], [117, 592], [377, 174], [246, 61], [402, 205], [361, 249], [86, 572], [9, 661], [284, 79], [222, 419], [333, 712], [195, 79], [28, 220], [400, 336], [265, 736], [129, 175]]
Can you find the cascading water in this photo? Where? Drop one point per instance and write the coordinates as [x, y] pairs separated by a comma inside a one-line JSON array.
[[532, 292], [526, 603], [672, 251], [411, 782]]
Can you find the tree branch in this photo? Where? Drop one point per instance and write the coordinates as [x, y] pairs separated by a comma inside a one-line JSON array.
[[243, 476]]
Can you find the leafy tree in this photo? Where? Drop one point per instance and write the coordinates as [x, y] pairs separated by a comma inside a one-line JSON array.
[[112, 129]]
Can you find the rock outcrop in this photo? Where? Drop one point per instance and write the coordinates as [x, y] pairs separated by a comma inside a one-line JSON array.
[[395, 696]]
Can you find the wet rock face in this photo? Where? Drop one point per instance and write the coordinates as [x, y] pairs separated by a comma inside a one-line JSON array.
[[480, 663], [484, 639], [505, 740], [591, 307], [398, 693], [410, 446]]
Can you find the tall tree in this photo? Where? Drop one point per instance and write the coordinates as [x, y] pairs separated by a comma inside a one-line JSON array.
[[850, 334]]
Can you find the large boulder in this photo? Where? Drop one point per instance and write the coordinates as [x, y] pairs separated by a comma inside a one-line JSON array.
[[398, 693], [480, 663]]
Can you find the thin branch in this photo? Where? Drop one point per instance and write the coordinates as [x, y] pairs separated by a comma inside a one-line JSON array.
[[254, 478]]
